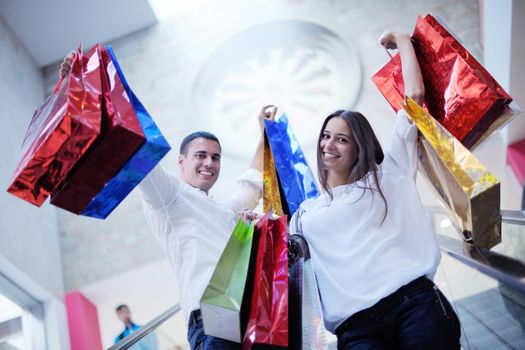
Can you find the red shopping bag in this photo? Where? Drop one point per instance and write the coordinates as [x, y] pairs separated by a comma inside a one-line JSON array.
[[268, 318], [120, 137], [61, 131], [460, 93]]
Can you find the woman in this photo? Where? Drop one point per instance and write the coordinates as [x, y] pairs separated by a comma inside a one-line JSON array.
[[373, 248]]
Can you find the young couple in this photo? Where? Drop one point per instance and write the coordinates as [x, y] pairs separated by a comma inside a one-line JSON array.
[[372, 246]]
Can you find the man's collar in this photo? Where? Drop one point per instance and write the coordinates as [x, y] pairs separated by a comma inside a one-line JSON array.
[[130, 325]]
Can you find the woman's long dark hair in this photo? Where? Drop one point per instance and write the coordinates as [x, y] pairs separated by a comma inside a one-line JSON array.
[[369, 153]]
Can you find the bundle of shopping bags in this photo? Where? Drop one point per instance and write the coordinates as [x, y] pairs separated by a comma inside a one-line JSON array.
[[464, 105], [90, 143], [263, 292]]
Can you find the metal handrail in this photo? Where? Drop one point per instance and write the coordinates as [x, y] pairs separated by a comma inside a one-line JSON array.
[[146, 329], [513, 217], [503, 268], [516, 217]]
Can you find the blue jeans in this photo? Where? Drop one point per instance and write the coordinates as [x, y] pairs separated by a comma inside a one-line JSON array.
[[200, 341], [416, 316]]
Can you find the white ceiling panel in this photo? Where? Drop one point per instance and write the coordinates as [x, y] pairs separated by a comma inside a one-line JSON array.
[[51, 28]]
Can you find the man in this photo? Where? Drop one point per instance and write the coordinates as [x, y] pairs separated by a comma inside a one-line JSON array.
[[191, 226], [149, 342]]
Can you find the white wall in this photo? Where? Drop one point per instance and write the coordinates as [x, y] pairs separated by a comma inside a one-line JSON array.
[[497, 25], [504, 57], [504, 54], [517, 69], [148, 290], [29, 242]]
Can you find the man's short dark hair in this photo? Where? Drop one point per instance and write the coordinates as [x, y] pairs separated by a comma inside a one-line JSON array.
[[197, 135], [121, 306]]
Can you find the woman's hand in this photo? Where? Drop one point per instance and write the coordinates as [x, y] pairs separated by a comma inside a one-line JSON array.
[[388, 40], [414, 85], [65, 66]]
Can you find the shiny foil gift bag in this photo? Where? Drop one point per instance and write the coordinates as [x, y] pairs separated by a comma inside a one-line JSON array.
[[121, 135], [314, 332], [268, 317], [459, 92], [61, 131], [141, 163], [294, 174], [509, 113], [296, 255], [221, 305], [469, 193], [306, 325], [272, 201]]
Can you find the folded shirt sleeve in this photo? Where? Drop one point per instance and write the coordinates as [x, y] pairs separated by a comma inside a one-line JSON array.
[[248, 192], [402, 148], [159, 189]]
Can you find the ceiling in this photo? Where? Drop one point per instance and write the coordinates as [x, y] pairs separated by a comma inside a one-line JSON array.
[[54, 27]]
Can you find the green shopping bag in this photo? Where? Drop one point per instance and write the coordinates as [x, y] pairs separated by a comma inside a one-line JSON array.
[[221, 303]]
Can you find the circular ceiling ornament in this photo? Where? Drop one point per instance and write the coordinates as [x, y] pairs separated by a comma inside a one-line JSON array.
[[305, 69]]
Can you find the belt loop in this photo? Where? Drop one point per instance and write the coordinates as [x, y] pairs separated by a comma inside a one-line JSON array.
[[193, 318]]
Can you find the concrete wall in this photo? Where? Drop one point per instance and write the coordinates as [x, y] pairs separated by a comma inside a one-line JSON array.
[[29, 241]]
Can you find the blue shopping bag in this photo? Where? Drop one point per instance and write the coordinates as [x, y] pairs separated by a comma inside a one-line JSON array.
[[295, 176], [140, 164]]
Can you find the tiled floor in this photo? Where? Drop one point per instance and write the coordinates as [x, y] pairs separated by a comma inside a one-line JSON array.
[[491, 321]]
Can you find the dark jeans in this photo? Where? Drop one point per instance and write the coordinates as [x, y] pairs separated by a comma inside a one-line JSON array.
[[416, 316], [200, 341]]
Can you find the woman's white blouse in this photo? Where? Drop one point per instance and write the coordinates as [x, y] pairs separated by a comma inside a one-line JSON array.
[[357, 259]]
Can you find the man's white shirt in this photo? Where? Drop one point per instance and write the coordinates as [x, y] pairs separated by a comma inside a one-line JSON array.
[[193, 228]]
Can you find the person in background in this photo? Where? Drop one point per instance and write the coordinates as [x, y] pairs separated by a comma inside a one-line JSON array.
[[149, 342]]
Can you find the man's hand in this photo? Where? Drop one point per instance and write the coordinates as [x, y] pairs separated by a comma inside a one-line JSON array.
[[65, 66], [266, 113]]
